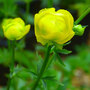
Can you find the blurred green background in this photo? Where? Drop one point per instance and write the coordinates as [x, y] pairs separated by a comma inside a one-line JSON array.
[[29, 54]]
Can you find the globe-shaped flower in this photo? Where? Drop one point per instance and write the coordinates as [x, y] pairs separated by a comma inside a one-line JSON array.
[[53, 26], [15, 29]]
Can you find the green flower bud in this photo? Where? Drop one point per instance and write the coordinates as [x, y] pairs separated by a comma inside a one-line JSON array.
[[79, 29]]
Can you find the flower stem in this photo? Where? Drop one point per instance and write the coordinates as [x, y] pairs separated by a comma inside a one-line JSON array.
[[13, 55], [42, 68], [27, 9], [82, 16], [12, 63], [9, 45]]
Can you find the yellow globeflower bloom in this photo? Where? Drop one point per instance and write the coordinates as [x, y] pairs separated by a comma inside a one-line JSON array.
[[53, 26], [15, 29]]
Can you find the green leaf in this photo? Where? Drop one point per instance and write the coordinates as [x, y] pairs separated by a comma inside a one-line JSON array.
[[38, 68], [59, 58], [44, 84], [30, 18], [59, 83], [8, 8], [40, 48], [52, 49], [21, 44], [64, 51], [24, 75], [67, 43], [49, 78], [64, 85], [18, 70], [39, 65], [33, 73]]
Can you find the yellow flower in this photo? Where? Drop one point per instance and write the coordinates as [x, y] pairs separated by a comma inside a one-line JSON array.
[[53, 26], [15, 29]]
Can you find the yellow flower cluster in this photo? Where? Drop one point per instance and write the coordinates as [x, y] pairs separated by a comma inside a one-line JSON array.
[[15, 29], [53, 26], [50, 27]]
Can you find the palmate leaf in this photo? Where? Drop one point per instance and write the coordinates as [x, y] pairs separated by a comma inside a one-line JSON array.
[[31, 72], [22, 72], [51, 78]]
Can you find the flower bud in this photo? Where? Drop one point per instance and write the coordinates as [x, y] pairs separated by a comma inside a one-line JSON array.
[[79, 29], [53, 26], [15, 29]]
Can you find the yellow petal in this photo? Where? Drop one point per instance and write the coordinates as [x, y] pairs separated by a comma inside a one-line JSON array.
[[19, 20], [43, 12], [27, 28], [12, 34], [68, 15], [6, 22], [49, 10]]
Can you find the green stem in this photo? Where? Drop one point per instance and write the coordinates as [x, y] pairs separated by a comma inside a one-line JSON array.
[[50, 3], [27, 10], [12, 63], [42, 68], [82, 16], [13, 55], [9, 45]]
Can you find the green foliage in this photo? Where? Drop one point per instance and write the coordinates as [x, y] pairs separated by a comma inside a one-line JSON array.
[[30, 18], [59, 58], [1, 32], [56, 52], [6, 59], [80, 6], [49, 3], [64, 51], [72, 63], [26, 1], [25, 73], [8, 8]]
